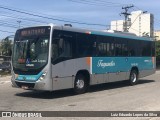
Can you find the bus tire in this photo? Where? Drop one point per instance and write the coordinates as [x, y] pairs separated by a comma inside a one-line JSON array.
[[133, 77], [80, 84]]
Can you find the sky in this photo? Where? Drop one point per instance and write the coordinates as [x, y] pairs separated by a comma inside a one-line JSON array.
[[90, 14]]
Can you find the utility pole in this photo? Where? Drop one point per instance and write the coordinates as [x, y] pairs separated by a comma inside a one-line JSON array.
[[126, 14]]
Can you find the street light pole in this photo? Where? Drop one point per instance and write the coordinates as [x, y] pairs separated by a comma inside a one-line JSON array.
[[138, 16], [140, 22], [19, 23]]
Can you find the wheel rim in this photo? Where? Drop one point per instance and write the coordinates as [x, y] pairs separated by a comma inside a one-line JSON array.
[[133, 77], [80, 84]]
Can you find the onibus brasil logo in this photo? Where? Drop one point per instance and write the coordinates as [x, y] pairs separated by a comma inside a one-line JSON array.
[[104, 64]]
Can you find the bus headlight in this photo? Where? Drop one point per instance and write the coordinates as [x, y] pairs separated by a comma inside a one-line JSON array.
[[43, 76]]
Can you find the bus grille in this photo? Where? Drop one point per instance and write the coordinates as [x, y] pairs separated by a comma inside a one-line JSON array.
[[29, 85]]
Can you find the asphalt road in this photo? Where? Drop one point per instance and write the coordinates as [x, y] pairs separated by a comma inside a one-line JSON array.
[[117, 96]]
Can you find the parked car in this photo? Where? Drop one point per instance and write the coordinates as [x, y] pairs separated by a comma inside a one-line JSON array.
[[5, 66], [2, 67]]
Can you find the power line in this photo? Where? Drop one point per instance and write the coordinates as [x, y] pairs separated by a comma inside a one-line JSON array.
[[147, 18], [4, 22], [103, 1], [39, 13], [136, 19], [14, 10], [36, 15], [109, 2], [8, 25], [6, 31], [95, 3], [24, 19], [15, 17], [126, 14]]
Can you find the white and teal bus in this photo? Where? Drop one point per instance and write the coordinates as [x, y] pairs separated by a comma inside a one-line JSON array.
[[60, 57]]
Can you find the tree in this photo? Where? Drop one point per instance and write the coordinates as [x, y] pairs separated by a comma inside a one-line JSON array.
[[6, 46], [157, 53], [0, 48], [157, 48]]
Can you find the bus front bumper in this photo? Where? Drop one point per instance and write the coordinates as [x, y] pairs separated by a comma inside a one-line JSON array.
[[38, 85]]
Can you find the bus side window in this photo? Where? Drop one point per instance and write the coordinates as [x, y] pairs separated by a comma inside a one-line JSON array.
[[65, 48], [55, 49], [86, 45], [61, 46], [132, 48]]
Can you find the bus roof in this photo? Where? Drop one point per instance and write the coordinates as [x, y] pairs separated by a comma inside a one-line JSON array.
[[96, 32]]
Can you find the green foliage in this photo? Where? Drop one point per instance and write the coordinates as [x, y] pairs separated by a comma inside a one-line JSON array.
[[0, 48], [6, 47], [158, 50]]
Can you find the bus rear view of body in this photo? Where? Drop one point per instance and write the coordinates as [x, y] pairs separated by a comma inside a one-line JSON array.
[[58, 57]]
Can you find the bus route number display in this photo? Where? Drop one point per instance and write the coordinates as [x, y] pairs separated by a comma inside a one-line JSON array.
[[30, 32]]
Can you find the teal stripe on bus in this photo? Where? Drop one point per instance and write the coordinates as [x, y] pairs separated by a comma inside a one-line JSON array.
[[121, 36], [29, 77], [104, 65]]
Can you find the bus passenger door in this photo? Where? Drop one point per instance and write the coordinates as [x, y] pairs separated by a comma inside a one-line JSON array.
[[62, 62]]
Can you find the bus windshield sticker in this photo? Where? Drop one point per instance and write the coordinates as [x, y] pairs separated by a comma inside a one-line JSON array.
[[28, 63], [38, 61], [21, 61]]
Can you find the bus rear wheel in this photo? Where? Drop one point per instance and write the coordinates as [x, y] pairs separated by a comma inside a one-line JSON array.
[[80, 84], [133, 77]]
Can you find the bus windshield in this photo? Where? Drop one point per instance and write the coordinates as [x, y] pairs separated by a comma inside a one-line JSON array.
[[30, 49]]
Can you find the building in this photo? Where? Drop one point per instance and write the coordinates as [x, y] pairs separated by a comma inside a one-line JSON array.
[[142, 23], [139, 23], [117, 25], [157, 35]]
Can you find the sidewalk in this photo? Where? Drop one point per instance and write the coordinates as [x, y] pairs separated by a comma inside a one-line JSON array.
[[158, 71], [5, 78]]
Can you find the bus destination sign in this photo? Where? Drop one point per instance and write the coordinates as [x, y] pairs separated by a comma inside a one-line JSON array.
[[34, 31]]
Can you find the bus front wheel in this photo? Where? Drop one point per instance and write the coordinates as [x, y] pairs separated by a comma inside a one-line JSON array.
[[80, 84], [133, 77]]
